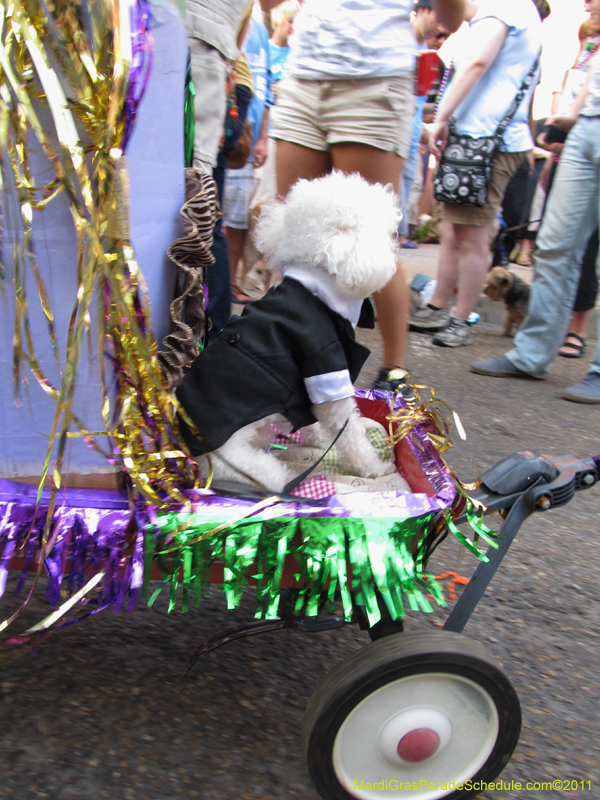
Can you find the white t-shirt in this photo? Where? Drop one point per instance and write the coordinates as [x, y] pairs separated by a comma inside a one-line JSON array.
[[482, 110], [574, 80], [591, 107], [348, 39]]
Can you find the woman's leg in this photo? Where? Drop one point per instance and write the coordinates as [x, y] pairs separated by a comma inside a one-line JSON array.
[[463, 264], [236, 239], [473, 255], [392, 302], [447, 272], [473, 243], [293, 162]]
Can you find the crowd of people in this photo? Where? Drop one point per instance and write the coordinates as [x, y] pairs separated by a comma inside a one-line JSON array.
[[313, 87]]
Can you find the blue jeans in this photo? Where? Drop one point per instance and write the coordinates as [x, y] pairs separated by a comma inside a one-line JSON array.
[[570, 218]]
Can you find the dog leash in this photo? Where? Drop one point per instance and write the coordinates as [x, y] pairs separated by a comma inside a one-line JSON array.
[[522, 225], [289, 487]]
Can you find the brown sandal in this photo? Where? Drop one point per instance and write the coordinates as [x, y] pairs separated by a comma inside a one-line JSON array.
[[572, 347], [524, 258]]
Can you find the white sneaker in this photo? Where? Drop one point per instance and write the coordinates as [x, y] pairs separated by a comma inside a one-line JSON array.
[[428, 319], [457, 334]]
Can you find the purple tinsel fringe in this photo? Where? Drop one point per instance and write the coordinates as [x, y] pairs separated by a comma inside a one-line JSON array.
[[82, 541], [142, 47]]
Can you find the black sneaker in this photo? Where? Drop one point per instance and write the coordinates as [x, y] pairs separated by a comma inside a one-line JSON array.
[[391, 380]]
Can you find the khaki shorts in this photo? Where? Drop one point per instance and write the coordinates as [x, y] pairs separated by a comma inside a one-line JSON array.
[[317, 114], [505, 166]]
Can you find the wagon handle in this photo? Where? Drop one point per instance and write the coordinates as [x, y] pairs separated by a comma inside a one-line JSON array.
[[528, 483]]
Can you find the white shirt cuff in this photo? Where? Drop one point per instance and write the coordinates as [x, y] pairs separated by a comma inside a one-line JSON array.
[[330, 386]]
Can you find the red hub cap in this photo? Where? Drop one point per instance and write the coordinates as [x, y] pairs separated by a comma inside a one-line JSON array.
[[418, 745]]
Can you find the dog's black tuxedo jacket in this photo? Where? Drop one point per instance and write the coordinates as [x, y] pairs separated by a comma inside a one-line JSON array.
[[258, 364]]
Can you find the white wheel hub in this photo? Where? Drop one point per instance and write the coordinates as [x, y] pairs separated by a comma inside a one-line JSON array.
[[414, 737]]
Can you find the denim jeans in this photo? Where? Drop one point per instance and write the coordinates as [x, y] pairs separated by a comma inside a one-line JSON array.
[[570, 218]]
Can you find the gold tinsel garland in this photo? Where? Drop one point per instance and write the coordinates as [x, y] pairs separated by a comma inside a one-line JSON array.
[[42, 48]]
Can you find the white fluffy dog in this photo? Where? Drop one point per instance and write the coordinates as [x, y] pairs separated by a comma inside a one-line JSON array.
[[291, 358]]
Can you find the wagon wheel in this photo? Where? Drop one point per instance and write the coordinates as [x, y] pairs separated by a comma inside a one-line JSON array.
[[416, 707]]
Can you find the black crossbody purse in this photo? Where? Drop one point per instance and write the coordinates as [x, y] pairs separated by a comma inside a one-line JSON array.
[[465, 170]]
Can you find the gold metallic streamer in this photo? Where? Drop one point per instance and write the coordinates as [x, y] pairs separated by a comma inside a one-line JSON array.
[[83, 148], [425, 413]]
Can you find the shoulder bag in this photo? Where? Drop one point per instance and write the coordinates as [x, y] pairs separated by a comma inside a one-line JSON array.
[[465, 170]]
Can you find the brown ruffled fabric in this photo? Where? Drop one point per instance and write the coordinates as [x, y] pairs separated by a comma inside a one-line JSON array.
[[191, 254]]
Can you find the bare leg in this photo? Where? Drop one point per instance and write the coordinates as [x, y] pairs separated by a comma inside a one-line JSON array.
[[474, 258], [392, 302], [375, 165], [447, 270], [579, 322], [577, 326], [427, 196], [236, 239], [295, 162], [525, 255]]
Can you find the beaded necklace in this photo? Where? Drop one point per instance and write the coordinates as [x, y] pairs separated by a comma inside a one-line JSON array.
[[592, 49]]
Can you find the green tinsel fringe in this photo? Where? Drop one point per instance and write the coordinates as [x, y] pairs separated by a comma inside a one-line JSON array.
[[360, 557]]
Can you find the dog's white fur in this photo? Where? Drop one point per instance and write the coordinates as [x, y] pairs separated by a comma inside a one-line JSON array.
[[346, 227], [340, 224]]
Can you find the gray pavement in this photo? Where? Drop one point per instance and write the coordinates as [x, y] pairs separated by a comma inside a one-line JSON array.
[[100, 711]]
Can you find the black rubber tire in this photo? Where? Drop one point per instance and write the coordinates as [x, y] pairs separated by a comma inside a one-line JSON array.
[[387, 660]]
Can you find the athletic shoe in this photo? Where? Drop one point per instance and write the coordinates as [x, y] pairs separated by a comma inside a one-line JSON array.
[[500, 367], [456, 334], [428, 319], [389, 380], [586, 391]]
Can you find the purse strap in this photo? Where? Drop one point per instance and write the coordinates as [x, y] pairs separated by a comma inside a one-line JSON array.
[[512, 110]]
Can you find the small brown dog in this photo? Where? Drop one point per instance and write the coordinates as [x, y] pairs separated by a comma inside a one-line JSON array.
[[502, 284]]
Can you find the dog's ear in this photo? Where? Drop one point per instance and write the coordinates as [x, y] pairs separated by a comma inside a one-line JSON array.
[[269, 232]]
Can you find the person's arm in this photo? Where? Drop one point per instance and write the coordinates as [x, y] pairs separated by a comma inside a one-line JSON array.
[[545, 174], [581, 97], [557, 95], [488, 36], [450, 13], [260, 148], [565, 123], [243, 32]]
